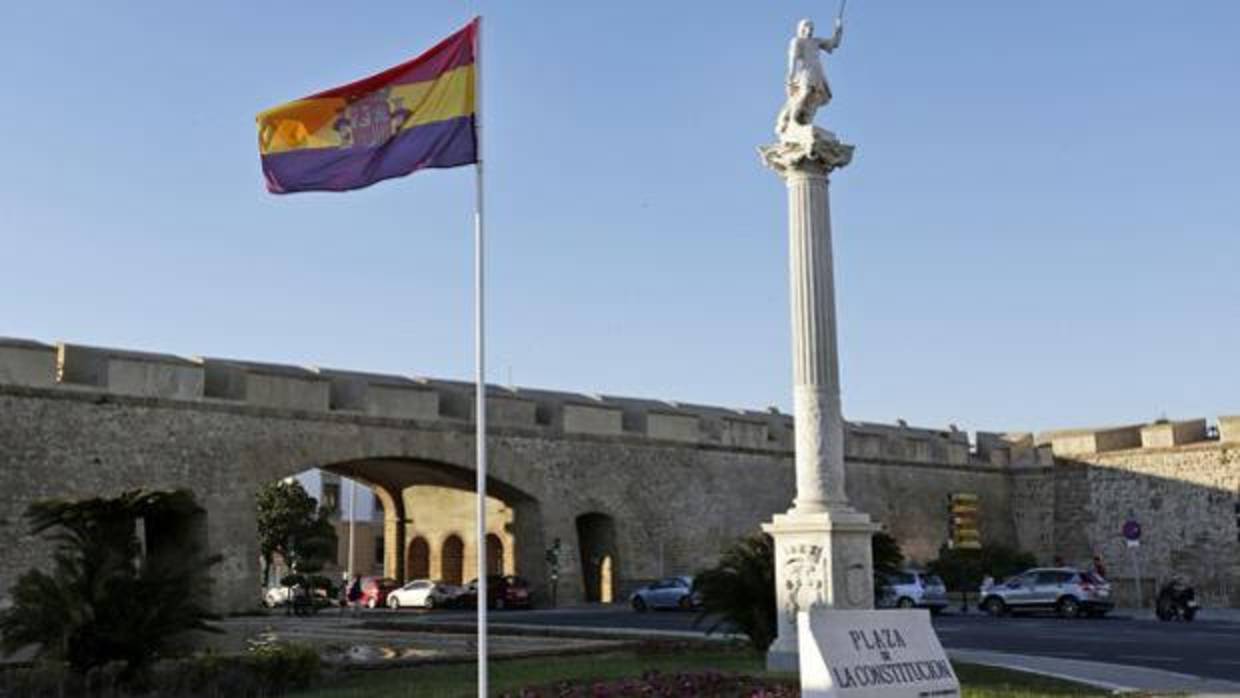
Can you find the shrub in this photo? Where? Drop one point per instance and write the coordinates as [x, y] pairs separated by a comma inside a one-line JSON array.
[[264, 672], [739, 592], [963, 569], [106, 604]]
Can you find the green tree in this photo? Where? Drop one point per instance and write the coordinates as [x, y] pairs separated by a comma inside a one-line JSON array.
[[888, 557], [963, 569], [291, 525], [109, 600]]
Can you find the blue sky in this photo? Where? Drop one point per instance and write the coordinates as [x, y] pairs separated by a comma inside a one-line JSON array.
[[1040, 228]]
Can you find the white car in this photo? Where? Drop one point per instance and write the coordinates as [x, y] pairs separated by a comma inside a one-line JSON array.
[[669, 592], [912, 589], [423, 593]]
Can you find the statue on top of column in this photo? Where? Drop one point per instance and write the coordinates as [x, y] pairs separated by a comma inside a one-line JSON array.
[[802, 145], [807, 81]]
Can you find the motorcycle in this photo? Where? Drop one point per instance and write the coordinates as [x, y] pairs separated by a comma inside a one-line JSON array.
[[1176, 601]]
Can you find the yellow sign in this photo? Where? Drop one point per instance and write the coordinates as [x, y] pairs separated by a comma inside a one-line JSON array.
[[962, 520]]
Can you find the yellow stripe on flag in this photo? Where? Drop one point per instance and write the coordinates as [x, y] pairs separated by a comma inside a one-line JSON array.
[[310, 123]]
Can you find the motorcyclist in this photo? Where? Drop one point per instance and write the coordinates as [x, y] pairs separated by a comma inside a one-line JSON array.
[[1176, 600]]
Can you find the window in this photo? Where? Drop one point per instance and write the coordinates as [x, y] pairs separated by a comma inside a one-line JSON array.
[[378, 550], [330, 501]]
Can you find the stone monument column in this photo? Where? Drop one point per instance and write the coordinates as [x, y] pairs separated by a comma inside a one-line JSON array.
[[822, 545]]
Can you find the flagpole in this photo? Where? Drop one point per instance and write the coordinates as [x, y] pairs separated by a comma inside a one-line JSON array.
[[480, 364]]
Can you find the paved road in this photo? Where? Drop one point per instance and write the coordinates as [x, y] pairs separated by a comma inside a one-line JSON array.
[[1204, 648]]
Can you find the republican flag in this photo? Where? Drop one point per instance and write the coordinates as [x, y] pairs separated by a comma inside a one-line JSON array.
[[417, 115]]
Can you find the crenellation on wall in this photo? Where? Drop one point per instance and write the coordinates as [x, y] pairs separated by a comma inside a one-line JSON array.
[[1229, 429], [1070, 442], [907, 444], [380, 394], [1165, 433], [267, 385], [25, 362], [592, 418], [125, 372]]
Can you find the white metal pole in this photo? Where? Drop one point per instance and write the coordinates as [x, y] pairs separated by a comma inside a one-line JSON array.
[[480, 361], [352, 519]]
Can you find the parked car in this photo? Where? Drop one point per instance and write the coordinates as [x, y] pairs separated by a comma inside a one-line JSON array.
[[375, 590], [424, 593], [503, 591], [1063, 590], [669, 592], [912, 589]]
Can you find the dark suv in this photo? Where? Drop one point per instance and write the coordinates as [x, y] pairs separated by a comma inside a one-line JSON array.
[[502, 592]]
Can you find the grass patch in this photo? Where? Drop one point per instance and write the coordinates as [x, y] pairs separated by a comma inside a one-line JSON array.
[[451, 680]]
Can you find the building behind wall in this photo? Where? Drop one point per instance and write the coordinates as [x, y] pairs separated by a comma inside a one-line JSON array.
[[339, 496]]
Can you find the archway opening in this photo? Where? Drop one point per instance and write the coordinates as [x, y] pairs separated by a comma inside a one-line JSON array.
[[495, 554], [596, 539], [433, 500], [453, 556], [418, 560]]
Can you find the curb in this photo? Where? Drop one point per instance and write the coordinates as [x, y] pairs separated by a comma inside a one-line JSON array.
[[529, 630], [1118, 678]]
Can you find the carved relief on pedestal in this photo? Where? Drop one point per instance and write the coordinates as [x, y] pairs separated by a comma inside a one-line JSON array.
[[805, 577], [856, 580]]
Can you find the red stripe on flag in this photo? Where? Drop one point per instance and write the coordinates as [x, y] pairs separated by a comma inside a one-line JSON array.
[[453, 52]]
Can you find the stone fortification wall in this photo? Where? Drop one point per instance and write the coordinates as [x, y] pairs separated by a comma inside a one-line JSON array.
[[680, 481], [1180, 480]]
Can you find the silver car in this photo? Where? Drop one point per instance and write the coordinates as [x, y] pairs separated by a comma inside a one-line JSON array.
[[669, 592], [912, 589], [1063, 590]]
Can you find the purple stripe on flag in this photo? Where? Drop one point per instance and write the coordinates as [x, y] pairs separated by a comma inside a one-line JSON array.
[[448, 143]]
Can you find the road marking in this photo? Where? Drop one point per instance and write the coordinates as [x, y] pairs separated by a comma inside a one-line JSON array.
[[1070, 655], [1233, 662]]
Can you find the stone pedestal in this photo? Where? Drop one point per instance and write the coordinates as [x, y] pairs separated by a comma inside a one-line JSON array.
[[821, 559], [822, 545]]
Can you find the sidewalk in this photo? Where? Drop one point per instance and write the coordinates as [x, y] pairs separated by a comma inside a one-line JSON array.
[[1112, 677]]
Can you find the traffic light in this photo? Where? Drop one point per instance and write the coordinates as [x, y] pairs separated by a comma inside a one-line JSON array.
[[962, 521]]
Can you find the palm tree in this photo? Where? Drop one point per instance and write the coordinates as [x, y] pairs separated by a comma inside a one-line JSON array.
[[739, 592], [108, 599]]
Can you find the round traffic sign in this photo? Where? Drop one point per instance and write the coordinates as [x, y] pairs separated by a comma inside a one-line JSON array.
[[1132, 530]]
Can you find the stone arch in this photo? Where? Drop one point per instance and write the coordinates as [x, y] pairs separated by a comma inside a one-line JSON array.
[[452, 560], [495, 554], [418, 559], [596, 539], [391, 477]]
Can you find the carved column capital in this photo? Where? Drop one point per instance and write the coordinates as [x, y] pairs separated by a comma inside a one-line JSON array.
[[806, 151]]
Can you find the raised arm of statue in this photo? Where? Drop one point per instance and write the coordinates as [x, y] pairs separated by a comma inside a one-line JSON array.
[[833, 43]]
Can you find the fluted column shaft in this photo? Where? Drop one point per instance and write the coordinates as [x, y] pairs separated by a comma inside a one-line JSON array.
[[815, 362]]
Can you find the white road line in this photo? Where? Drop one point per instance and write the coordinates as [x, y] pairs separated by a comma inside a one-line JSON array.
[[1232, 662]]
